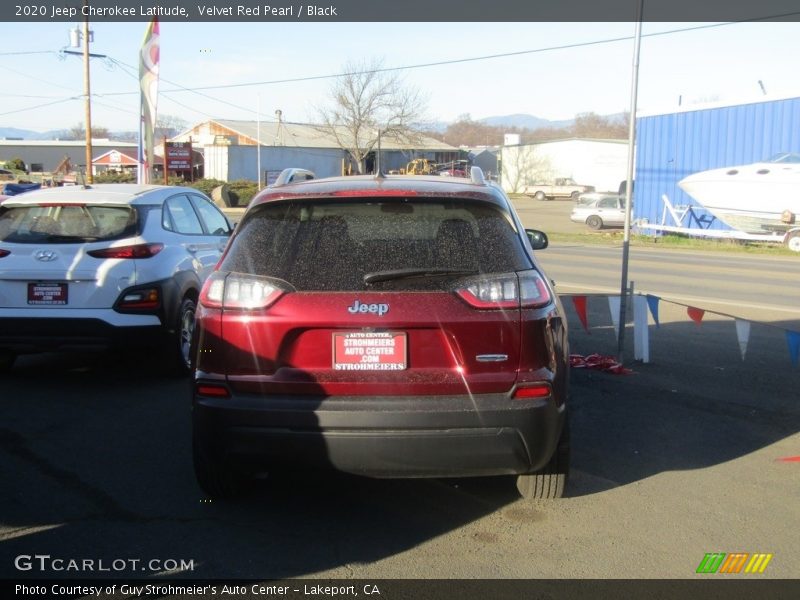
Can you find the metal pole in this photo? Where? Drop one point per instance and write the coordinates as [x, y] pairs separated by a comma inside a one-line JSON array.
[[87, 95], [623, 292], [258, 139]]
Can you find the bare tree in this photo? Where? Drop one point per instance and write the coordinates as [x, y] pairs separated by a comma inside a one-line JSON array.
[[522, 166], [591, 125], [78, 132], [168, 126], [366, 101]]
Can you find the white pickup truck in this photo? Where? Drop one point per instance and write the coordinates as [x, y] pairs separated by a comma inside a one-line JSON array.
[[563, 187]]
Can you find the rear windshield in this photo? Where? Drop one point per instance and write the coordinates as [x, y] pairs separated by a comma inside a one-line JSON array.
[[333, 246], [66, 223]]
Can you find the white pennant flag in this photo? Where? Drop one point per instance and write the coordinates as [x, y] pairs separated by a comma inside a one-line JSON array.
[[743, 335], [613, 306]]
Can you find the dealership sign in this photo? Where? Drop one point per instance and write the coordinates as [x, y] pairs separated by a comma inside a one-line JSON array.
[[178, 156]]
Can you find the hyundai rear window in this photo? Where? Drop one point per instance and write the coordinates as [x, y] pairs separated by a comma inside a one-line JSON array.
[[383, 244], [66, 223]]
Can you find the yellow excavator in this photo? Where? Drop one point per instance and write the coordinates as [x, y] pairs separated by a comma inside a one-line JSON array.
[[421, 166]]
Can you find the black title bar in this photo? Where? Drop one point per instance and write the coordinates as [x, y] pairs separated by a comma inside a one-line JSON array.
[[400, 11]]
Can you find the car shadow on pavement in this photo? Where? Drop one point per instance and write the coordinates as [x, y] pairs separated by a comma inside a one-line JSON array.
[[97, 457], [696, 404], [100, 454]]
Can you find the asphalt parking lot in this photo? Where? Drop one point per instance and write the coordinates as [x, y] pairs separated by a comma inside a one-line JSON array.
[[690, 454]]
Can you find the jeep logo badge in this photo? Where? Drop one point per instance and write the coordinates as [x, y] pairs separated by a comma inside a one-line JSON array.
[[375, 309]]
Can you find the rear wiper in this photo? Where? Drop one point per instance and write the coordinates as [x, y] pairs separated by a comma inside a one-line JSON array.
[[394, 274], [75, 239]]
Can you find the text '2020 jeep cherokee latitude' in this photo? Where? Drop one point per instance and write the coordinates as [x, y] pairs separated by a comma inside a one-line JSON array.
[[381, 326]]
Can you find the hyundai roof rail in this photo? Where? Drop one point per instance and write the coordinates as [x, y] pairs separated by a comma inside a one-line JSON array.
[[293, 174]]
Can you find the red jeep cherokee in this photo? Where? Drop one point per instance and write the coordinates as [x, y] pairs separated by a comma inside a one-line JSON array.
[[382, 326]]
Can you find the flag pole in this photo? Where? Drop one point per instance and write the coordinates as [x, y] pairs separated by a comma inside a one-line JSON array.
[[148, 90], [623, 292]]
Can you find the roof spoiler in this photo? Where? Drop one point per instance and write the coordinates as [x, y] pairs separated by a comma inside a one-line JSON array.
[[291, 175]]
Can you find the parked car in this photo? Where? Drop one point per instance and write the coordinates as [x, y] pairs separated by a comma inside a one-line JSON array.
[[389, 326], [111, 265], [562, 187], [599, 210]]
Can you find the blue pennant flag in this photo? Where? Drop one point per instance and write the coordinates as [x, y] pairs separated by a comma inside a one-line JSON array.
[[652, 303], [793, 340]]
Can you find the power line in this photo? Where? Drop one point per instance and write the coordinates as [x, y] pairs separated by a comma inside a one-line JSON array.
[[39, 79], [21, 53], [197, 90], [466, 60], [11, 112], [180, 88]]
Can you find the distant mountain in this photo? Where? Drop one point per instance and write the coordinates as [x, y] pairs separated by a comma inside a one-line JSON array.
[[55, 134], [13, 132], [524, 122]]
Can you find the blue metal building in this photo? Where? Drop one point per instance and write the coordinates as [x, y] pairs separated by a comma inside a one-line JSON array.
[[672, 146]]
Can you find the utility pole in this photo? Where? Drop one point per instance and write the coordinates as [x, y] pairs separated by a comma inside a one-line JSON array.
[[87, 94]]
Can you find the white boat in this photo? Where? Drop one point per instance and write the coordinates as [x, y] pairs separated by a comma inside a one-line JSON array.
[[757, 198]]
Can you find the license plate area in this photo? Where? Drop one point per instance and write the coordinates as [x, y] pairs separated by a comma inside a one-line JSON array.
[[370, 351], [48, 294]]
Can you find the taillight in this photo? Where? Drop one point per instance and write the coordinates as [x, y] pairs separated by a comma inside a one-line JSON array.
[[212, 389], [147, 298], [239, 291], [513, 290], [4, 252], [533, 391], [136, 251]]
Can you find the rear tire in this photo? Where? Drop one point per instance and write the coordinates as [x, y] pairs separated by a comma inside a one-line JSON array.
[[178, 357], [549, 481], [218, 479], [539, 196], [575, 195], [594, 222]]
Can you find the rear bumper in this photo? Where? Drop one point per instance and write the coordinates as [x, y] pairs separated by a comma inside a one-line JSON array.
[[48, 329], [25, 335], [420, 436]]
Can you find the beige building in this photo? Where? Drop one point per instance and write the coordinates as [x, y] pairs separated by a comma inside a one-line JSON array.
[[231, 150]]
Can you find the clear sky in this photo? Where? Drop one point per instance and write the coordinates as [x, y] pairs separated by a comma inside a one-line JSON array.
[[714, 63]]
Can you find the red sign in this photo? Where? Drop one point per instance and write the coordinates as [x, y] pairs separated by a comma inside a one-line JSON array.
[[369, 351], [178, 156], [50, 294]]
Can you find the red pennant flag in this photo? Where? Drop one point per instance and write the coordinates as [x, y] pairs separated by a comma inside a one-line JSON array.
[[580, 308], [695, 314], [790, 459]]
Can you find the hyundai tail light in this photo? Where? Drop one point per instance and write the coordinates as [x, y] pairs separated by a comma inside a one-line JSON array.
[[136, 251]]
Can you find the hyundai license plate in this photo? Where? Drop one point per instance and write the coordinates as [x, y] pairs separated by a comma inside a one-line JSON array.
[[47, 294], [369, 351]]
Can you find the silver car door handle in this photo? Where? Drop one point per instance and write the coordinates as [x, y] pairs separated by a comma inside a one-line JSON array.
[[192, 248]]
